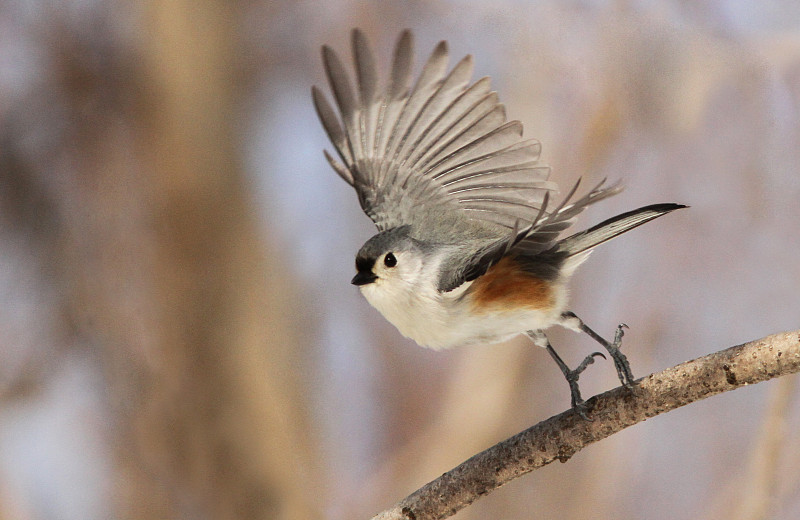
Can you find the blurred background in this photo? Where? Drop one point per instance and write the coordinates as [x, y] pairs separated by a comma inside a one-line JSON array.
[[178, 335]]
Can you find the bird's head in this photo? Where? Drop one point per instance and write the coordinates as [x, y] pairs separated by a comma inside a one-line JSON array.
[[390, 261]]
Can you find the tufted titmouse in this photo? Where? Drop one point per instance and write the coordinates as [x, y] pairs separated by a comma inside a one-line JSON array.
[[468, 248]]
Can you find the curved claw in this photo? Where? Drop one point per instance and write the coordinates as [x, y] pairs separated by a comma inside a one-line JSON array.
[[588, 360], [619, 334]]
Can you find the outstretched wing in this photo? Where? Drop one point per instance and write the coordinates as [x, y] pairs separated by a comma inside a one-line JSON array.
[[441, 144], [528, 243]]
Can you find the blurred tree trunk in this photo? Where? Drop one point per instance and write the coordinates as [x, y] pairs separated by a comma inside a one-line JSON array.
[[216, 419], [169, 276]]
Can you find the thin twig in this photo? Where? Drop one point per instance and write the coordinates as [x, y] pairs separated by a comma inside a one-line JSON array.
[[563, 435]]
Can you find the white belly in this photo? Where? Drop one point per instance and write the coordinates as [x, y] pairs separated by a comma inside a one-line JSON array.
[[445, 320]]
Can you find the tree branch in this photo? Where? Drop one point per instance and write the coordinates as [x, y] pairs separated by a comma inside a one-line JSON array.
[[563, 435]]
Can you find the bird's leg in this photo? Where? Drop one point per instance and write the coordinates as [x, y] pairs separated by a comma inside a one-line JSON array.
[[578, 404], [620, 361]]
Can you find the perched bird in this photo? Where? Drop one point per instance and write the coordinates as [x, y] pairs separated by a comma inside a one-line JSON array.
[[468, 248]]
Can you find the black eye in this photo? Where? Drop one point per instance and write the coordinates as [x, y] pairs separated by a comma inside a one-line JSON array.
[[389, 260]]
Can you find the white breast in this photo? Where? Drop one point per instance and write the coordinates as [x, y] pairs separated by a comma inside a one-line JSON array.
[[445, 320]]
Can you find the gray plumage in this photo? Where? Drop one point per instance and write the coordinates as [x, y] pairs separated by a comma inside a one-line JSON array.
[[439, 169], [409, 151]]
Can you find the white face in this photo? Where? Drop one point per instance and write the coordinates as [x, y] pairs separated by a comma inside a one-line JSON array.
[[405, 293], [396, 271], [400, 283]]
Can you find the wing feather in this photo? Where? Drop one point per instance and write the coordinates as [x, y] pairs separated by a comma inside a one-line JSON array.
[[330, 122], [367, 80], [486, 142], [520, 157], [438, 148], [393, 101], [441, 145], [343, 172], [421, 95], [343, 94], [440, 130], [544, 235]]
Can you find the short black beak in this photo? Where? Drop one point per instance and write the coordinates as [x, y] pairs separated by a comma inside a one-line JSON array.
[[363, 278]]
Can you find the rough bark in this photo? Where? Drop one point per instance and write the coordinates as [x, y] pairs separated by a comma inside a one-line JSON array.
[[561, 436]]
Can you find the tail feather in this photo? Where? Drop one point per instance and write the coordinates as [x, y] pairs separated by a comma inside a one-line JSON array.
[[615, 226]]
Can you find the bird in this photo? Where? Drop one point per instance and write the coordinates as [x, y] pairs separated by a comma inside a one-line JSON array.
[[469, 247]]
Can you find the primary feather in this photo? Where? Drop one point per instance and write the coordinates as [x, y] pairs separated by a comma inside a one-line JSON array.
[[443, 143]]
